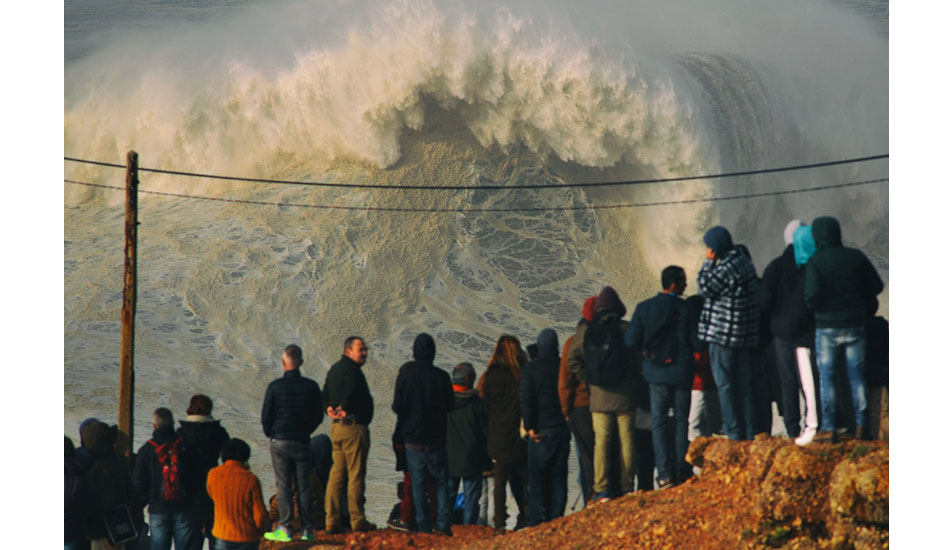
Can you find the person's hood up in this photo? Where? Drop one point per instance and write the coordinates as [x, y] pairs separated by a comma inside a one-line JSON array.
[[547, 343], [789, 234], [804, 245], [82, 426], [826, 231], [587, 312], [97, 438], [608, 299], [423, 349], [718, 239]]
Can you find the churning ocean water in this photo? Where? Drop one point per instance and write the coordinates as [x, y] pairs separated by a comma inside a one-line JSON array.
[[429, 92]]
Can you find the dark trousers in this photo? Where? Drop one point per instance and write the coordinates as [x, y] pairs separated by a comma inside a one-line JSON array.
[[646, 461], [670, 435], [292, 465], [472, 489], [435, 462], [225, 545], [513, 474], [583, 430], [787, 363], [547, 474]]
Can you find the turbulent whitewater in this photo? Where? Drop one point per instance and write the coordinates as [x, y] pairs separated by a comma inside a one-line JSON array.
[[425, 92]]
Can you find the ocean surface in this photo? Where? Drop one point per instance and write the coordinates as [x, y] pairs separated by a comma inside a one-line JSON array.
[[432, 92]]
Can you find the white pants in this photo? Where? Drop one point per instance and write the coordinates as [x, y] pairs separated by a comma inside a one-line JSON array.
[[705, 418], [808, 387]]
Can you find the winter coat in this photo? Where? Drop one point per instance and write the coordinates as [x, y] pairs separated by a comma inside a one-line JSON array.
[[346, 387], [572, 390], [293, 407], [648, 319], [840, 282], [538, 388], [467, 435], [730, 315], [422, 399], [107, 480], [781, 297], [74, 501], [147, 475], [204, 438], [500, 395], [623, 396]]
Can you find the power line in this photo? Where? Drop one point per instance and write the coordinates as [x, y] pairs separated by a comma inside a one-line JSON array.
[[484, 210], [495, 187]]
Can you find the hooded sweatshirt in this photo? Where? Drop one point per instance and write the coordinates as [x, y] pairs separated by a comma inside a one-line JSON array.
[[804, 245], [730, 315], [537, 390], [840, 282], [781, 298], [204, 437], [423, 397]]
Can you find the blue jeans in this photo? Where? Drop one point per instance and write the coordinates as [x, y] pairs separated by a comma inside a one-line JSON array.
[[731, 368], [827, 343], [436, 463], [180, 526], [226, 545], [472, 489], [292, 461], [547, 474], [670, 436]]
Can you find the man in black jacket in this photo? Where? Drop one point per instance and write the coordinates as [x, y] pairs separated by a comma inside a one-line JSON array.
[[292, 410], [350, 406], [467, 441], [549, 438], [841, 286], [170, 513], [422, 400]]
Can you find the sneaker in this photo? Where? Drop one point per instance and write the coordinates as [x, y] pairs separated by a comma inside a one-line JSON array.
[[278, 535], [824, 436], [445, 532], [861, 434], [335, 531], [364, 527], [663, 484], [397, 524], [599, 497], [807, 436], [499, 530]]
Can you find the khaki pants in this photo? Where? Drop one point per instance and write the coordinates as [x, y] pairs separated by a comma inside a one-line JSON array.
[[350, 448], [605, 424]]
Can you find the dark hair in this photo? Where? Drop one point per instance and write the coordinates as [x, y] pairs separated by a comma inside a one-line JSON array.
[[532, 351], [200, 404], [163, 417], [348, 343], [70, 449], [235, 449], [295, 354], [670, 275]]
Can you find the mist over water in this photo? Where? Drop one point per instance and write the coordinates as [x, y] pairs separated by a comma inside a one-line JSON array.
[[423, 92]]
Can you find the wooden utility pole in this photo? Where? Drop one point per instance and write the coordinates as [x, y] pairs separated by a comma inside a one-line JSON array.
[[126, 365]]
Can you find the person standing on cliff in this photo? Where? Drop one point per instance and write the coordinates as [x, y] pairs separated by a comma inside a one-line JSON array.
[[841, 286], [422, 400], [575, 405], [350, 406], [239, 513], [729, 322], [292, 411]]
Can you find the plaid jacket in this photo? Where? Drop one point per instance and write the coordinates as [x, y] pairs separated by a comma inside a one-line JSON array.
[[730, 315]]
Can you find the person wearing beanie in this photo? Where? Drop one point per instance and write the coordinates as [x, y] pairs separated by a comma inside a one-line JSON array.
[[239, 513], [350, 407], [422, 399], [729, 322], [575, 406], [841, 286], [549, 438], [600, 357], [466, 441], [204, 436], [82, 453], [793, 326], [659, 332]]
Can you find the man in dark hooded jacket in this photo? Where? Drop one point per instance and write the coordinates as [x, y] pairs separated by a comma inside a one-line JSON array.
[[204, 436], [729, 322], [659, 330], [422, 400], [549, 438], [841, 286]]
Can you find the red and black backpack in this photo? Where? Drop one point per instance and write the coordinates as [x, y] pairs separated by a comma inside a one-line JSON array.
[[168, 460]]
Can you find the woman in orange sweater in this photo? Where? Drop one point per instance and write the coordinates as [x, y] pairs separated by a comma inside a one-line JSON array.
[[239, 514]]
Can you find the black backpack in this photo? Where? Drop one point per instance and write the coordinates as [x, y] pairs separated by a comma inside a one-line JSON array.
[[605, 355]]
